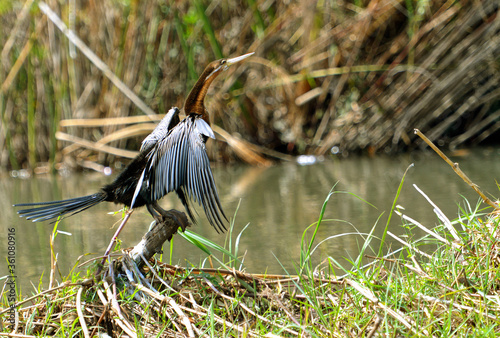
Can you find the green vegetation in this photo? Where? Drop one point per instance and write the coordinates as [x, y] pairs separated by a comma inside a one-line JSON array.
[[348, 77], [444, 284]]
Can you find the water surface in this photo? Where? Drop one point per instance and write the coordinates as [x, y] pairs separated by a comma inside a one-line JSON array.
[[278, 203]]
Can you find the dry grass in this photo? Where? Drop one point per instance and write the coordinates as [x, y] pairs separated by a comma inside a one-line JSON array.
[[346, 77], [450, 291]]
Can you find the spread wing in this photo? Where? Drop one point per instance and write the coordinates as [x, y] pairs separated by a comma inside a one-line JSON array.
[[179, 162], [170, 120]]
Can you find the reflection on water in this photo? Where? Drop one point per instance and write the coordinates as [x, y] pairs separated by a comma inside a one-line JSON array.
[[278, 203]]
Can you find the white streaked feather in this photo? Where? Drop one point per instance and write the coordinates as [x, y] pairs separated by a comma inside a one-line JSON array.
[[160, 131], [137, 190], [179, 162], [203, 128]]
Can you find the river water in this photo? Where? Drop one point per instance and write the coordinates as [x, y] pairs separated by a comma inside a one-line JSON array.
[[278, 203]]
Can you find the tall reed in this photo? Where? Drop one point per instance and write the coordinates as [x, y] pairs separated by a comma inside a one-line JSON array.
[[325, 78]]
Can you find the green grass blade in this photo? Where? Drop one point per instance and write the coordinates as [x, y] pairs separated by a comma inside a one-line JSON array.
[[209, 30], [204, 244], [394, 203]]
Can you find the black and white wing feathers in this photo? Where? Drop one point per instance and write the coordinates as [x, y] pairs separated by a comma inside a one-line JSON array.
[[179, 162], [170, 120]]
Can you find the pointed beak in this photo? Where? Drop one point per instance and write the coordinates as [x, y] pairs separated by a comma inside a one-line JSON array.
[[232, 61], [227, 64]]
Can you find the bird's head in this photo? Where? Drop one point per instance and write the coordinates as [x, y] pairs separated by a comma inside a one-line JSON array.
[[194, 101], [214, 68]]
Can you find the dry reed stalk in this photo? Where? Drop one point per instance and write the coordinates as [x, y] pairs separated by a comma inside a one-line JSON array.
[[95, 146], [81, 318], [459, 172], [405, 243], [417, 93], [241, 148], [407, 322], [109, 121], [354, 77], [21, 59], [20, 19], [128, 132], [51, 290], [15, 335]]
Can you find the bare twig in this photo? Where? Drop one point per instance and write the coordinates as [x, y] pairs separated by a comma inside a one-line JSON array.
[[109, 121], [29, 299], [114, 238], [17, 335], [457, 170], [81, 318], [408, 245], [21, 17], [441, 215], [367, 293], [432, 233], [95, 146], [184, 319], [120, 320], [375, 327]]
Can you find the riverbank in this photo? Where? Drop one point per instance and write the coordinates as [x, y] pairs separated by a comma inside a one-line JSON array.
[[445, 283]]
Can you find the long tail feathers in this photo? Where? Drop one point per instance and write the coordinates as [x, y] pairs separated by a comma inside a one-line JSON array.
[[48, 210]]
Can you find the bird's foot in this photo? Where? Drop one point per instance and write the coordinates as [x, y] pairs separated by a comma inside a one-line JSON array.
[[178, 217]]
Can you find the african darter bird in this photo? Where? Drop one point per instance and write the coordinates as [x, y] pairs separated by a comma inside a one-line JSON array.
[[172, 158]]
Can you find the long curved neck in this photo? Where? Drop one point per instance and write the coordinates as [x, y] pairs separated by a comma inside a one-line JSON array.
[[195, 100]]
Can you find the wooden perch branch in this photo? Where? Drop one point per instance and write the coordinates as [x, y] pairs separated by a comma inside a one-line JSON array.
[[153, 240]]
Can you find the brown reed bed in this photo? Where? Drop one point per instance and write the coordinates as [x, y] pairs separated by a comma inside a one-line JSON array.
[[340, 77]]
